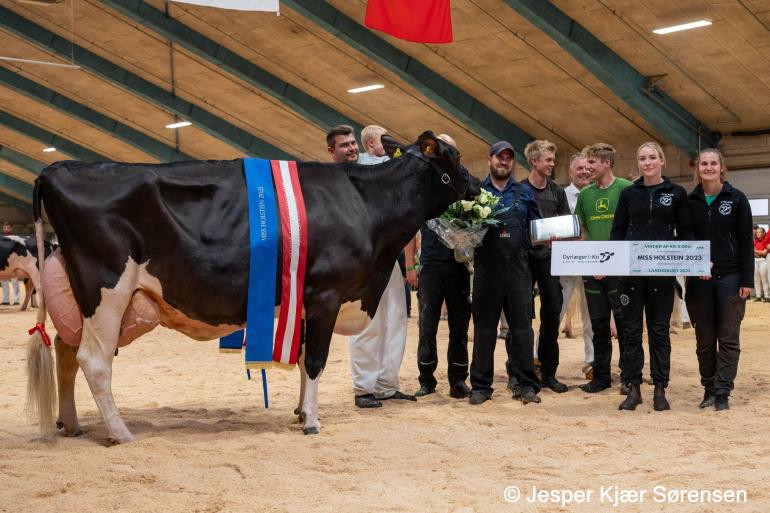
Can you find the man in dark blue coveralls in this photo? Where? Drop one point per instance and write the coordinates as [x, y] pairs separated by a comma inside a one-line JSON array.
[[502, 282]]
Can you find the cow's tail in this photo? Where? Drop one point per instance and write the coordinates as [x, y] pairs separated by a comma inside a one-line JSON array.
[[41, 384]]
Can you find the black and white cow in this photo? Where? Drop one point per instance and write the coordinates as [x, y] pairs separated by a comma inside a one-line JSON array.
[[172, 241], [18, 259]]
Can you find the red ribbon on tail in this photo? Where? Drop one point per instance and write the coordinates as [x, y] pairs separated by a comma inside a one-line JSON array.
[[41, 328]]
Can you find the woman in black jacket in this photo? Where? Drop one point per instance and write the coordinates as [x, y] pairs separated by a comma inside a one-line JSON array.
[[653, 208], [716, 303]]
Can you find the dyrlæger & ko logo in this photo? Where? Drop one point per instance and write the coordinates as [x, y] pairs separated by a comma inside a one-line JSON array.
[[605, 255]]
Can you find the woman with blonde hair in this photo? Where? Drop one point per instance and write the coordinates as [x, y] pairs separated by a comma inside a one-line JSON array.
[[722, 214], [653, 208]]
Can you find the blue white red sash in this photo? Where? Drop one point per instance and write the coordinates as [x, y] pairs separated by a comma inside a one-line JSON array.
[[294, 234], [266, 182]]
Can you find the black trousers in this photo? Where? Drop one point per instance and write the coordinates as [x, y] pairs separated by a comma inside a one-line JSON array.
[[439, 283], [551, 299], [716, 311], [651, 297], [503, 285], [603, 299]]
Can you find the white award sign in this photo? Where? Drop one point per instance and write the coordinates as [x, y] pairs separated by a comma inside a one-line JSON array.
[[631, 258], [589, 258]]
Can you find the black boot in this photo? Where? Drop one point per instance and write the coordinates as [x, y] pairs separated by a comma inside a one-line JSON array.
[[526, 396], [425, 390], [721, 403], [459, 390], [593, 386], [367, 401], [659, 401], [708, 400], [554, 384], [633, 398]]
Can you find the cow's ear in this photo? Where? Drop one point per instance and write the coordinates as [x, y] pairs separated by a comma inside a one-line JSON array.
[[392, 147], [429, 145]]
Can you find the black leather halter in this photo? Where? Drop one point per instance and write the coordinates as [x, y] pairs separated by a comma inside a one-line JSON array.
[[445, 178]]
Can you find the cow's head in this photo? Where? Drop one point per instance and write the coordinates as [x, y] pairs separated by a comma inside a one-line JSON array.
[[444, 161]]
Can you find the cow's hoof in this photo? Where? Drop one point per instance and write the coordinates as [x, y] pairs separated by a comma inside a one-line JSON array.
[[297, 411], [72, 432], [122, 440], [311, 430], [59, 424], [301, 417]]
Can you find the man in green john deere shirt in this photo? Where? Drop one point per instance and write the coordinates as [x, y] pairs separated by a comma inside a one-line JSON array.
[[595, 208]]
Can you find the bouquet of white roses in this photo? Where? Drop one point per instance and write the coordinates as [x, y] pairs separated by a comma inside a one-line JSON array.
[[463, 226]]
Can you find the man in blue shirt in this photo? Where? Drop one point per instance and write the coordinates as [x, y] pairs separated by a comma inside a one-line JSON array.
[[502, 283]]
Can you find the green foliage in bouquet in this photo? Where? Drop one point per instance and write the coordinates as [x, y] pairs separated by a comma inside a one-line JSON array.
[[480, 212]]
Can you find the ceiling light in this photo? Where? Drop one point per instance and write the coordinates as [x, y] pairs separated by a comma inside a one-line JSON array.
[[49, 149], [366, 88], [685, 26], [179, 124]]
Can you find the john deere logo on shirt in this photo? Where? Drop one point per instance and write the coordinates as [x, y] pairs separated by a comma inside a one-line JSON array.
[[602, 205], [725, 208], [666, 198]]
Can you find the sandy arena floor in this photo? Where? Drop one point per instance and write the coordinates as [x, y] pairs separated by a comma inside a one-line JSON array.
[[207, 445]]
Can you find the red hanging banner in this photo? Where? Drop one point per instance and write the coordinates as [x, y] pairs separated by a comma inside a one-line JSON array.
[[419, 21]]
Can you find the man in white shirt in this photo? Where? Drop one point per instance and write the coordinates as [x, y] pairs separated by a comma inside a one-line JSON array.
[[571, 285], [375, 353]]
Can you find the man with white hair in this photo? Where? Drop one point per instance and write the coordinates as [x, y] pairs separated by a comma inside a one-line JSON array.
[[573, 285]]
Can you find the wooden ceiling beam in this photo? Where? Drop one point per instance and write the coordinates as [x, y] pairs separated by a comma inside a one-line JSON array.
[[16, 186], [77, 110], [49, 138], [20, 160], [481, 119], [203, 119], [6, 199], [300, 102], [663, 113]]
